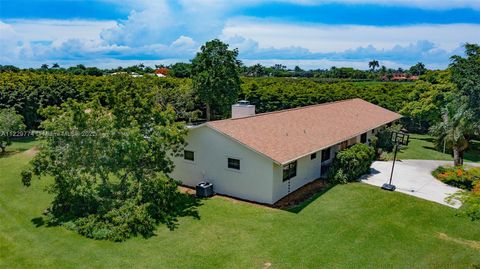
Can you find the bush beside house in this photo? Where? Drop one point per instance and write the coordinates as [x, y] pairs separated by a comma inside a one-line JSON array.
[[351, 163]]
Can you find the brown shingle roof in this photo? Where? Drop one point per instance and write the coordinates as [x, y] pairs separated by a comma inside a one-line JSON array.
[[290, 134]]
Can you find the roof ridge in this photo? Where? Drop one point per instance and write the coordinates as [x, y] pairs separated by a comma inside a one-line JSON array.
[[292, 109]]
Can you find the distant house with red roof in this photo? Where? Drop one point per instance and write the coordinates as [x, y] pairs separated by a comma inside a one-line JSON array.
[[161, 72], [400, 76]]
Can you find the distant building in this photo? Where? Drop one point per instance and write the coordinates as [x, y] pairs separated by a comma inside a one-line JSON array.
[[162, 72], [399, 76], [132, 74]]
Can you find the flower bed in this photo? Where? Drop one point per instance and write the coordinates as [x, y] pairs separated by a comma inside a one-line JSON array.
[[459, 177]]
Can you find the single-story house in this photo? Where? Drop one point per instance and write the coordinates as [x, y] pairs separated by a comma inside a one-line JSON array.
[[264, 157]]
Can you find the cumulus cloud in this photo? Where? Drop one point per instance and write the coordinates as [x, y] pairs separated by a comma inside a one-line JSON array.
[[325, 38], [161, 22], [10, 43], [398, 55]]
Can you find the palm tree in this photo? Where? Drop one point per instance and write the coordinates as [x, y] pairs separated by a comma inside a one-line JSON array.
[[373, 64], [454, 129]]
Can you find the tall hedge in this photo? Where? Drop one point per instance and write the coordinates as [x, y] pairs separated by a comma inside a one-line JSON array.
[[351, 163]]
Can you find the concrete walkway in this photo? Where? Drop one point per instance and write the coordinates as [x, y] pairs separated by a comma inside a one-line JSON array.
[[413, 177]]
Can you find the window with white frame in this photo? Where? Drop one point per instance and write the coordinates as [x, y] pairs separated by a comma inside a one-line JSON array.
[[289, 171]]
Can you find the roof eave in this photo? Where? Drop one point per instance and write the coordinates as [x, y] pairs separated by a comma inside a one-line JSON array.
[[339, 141]]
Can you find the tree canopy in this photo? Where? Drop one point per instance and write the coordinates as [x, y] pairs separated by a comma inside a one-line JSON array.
[[215, 75], [110, 164], [10, 123], [466, 75]]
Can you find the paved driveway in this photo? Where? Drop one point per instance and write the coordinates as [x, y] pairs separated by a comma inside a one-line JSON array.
[[413, 177]]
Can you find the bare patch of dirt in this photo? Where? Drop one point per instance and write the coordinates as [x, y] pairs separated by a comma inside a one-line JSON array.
[[302, 194], [266, 265], [191, 191], [186, 190], [241, 201], [31, 152], [469, 243]]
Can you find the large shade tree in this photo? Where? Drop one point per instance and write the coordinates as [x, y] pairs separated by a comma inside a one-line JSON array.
[[461, 116], [215, 74], [110, 164], [10, 124], [466, 75]]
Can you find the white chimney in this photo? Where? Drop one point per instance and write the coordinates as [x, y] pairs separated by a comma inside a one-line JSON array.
[[242, 109]]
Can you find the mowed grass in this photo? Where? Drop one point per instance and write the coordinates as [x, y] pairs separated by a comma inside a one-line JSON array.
[[348, 226], [421, 147]]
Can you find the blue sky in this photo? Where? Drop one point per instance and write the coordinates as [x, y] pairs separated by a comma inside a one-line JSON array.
[[309, 33]]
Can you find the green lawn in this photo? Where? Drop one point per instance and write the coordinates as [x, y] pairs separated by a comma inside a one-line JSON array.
[[348, 226], [422, 147]]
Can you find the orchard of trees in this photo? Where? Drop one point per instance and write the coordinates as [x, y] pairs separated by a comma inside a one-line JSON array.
[[375, 72]]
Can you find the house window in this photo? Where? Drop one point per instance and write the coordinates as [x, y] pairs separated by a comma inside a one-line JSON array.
[[289, 170], [189, 155], [373, 131], [313, 156], [326, 154], [234, 163], [363, 138]]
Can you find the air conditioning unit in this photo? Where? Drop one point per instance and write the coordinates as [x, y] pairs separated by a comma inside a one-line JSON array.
[[204, 189]]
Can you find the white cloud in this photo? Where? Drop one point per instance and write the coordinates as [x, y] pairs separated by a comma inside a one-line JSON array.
[[331, 38], [422, 50], [164, 22], [58, 30], [10, 43]]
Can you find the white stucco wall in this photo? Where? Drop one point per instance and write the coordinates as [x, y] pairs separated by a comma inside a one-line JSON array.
[[253, 181], [307, 171]]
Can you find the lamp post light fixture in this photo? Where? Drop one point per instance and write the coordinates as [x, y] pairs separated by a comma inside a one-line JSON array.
[[398, 138]]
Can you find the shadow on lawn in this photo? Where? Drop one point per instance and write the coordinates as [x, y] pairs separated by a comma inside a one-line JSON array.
[[428, 139], [186, 205], [432, 148], [8, 153], [22, 145], [298, 208]]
